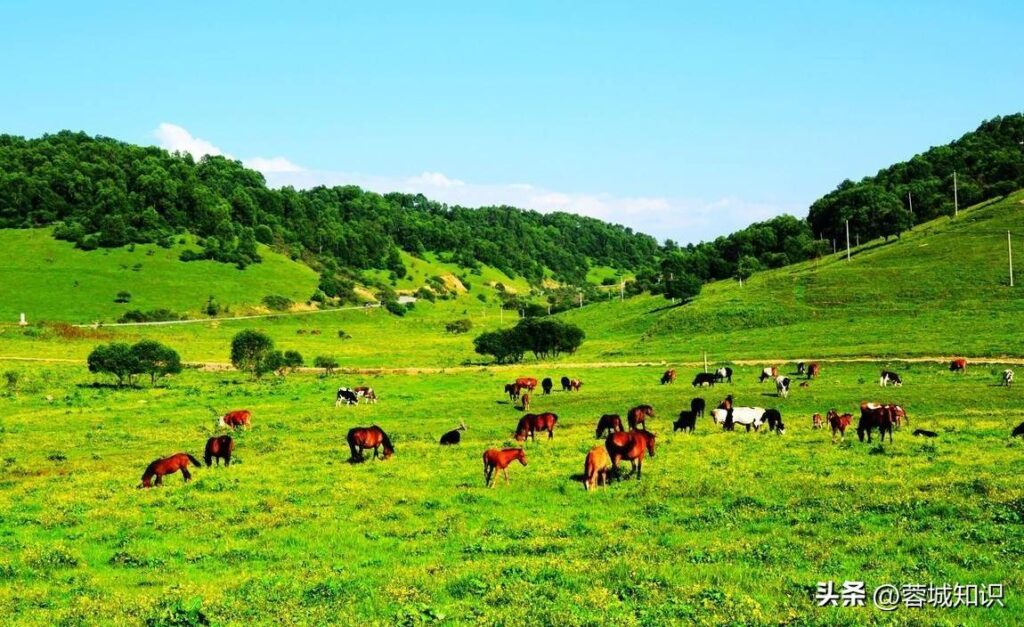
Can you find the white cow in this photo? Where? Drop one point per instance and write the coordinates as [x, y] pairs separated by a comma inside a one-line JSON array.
[[746, 416]]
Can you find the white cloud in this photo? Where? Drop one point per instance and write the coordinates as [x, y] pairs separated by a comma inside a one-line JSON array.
[[682, 219]]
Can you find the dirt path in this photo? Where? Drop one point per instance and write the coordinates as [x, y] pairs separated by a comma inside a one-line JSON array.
[[208, 320]]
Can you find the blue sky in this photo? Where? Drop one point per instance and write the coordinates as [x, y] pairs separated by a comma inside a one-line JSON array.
[[682, 120]]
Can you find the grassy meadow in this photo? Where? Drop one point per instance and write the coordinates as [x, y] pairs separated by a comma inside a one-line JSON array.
[[724, 528]]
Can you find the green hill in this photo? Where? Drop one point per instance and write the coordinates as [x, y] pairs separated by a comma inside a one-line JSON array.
[[940, 289]]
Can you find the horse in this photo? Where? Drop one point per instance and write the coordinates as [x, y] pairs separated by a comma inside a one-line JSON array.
[[530, 424], [366, 393], [770, 372], [875, 417], [168, 466], [346, 396], [566, 384], [525, 401], [813, 370], [1007, 378], [889, 377], [636, 416], [631, 445], [596, 468], [499, 460], [704, 378], [236, 418], [746, 416], [697, 406], [608, 423], [219, 447], [687, 421], [838, 424], [774, 420], [454, 436], [512, 389], [361, 438], [575, 385], [546, 385], [958, 365], [782, 386], [816, 421], [527, 383], [668, 377], [924, 433], [723, 374], [800, 367]]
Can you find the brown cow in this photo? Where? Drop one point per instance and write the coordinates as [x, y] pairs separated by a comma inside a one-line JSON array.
[[958, 365], [813, 370], [631, 445], [575, 385], [495, 460], [596, 468], [236, 418], [527, 383], [875, 417], [668, 377]]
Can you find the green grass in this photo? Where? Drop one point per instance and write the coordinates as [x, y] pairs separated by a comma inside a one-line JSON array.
[[725, 528], [420, 269], [49, 279]]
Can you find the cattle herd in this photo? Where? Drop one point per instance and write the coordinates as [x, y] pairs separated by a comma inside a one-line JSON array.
[[601, 462]]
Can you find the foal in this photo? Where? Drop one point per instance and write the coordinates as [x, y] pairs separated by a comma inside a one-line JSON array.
[[495, 460]]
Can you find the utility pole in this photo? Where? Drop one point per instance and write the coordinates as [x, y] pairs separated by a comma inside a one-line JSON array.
[[956, 198], [910, 200], [833, 245], [1009, 251], [622, 291], [847, 240], [858, 240], [581, 300], [705, 362]]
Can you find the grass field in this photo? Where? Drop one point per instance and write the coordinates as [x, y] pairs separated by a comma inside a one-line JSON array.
[[724, 528]]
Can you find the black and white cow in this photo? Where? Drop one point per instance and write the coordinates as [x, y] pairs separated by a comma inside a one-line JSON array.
[[723, 374], [1007, 377], [774, 420], [888, 378], [346, 396], [782, 386]]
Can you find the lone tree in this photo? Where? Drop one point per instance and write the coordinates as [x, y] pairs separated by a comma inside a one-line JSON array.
[[326, 362], [156, 360], [253, 352]]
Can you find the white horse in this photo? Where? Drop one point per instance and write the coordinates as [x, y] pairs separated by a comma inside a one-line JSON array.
[[746, 416]]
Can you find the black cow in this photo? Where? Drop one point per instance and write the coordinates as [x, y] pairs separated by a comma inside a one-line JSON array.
[[347, 396], [547, 384], [890, 378], [704, 378], [697, 406], [774, 420], [454, 436], [687, 421], [566, 384]]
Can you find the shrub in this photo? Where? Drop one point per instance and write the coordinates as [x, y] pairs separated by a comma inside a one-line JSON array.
[[276, 302], [253, 352], [326, 362], [153, 315], [394, 307], [459, 326], [293, 360], [123, 297], [343, 335], [11, 379]]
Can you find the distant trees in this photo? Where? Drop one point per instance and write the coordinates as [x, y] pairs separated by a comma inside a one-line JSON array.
[[327, 362], [125, 362], [544, 337]]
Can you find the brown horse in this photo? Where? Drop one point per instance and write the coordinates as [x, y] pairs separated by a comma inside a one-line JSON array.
[[636, 416], [236, 418], [668, 377], [530, 424], [575, 385], [525, 402], [609, 423], [219, 447], [168, 466], [813, 370], [596, 468], [838, 423], [817, 422], [875, 416], [631, 445], [361, 438], [495, 460], [512, 389]]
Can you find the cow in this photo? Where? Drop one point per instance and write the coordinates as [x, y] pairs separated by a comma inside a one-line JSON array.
[[774, 420], [1017, 431], [697, 406], [566, 384], [346, 396], [838, 424], [958, 365], [723, 374], [236, 418], [704, 378], [782, 386], [875, 417], [687, 421], [575, 385], [890, 378], [668, 377], [813, 370], [546, 385], [365, 393], [1007, 377], [770, 372], [526, 383], [801, 367], [454, 436], [925, 434], [746, 416], [816, 421]]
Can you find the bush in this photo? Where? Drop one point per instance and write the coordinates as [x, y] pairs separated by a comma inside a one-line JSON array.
[[326, 362], [153, 315], [459, 326], [11, 379], [276, 302], [394, 307], [343, 335], [212, 307], [123, 297], [253, 352], [293, 360]]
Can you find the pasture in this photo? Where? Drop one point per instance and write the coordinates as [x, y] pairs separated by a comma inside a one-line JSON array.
[[725, 528]]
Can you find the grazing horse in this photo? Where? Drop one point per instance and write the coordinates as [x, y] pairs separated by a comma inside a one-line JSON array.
[[816, 421], [1017, 431], [362, 438], [566, 384], [236, 418], [365, 393], [596, 468], [875, 417], [219, 447], [687, 421], [746, 416], [167, 466], [575, 385], [631, 445], [546, 385], [636, 416], [888, 378], [704, 378], [813, 370], [512, 389], [530, 424], [346, 396], [668, 377], [782, 386], [925, 434], [697, 406], [1007, 377], [525, 401], [838, 424], [958, 365], [526, 383], [454, 436], [774, 420], [770, 372], [723, 374], [609, 423], [495, 460]]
